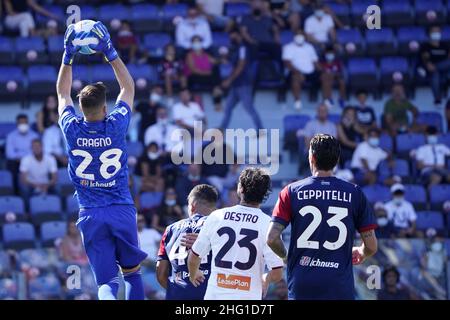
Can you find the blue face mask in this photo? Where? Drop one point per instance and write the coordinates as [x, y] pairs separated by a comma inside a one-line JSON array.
[[432, 139], [374, 141]]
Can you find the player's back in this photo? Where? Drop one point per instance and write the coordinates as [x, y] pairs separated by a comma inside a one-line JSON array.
[[324, 213], [98, 157], [237, 236], [179, 287]]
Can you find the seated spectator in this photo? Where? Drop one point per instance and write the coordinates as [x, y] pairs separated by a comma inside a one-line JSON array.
[[332, 72], [344, 174], [261, 33], [214, 12], [349, 134], [127, 43], [186, 182], [147, 110], [54, 144], [149, 240], [299, 10], [162, 133], [193, 25], [434, 261], [436, 60], [150, 170], [366, 158], [364, 113], [187, 113], [48, 113], [19, 15], [18, 145], [431, 159], [38, 171], [385, 227], [319, 28], [401, 213], [172, 72], [392, 288], [168, 212], [301, 60], [319, 125], [399, 112], [71, 247], [201, 69]]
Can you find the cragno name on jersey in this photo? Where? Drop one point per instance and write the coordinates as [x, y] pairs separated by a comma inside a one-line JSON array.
[[94, 142]]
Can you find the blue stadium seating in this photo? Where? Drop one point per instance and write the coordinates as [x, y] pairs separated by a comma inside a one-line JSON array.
[[381, 42], [341, 10], [344, 36], [54, 48], [18, 236], [264, 80], [408, 141], [424, 6], [286, 36], [6, 50], [5, 264], [446, 34], [430, 219], [145, 17], [71, 206], [88, 12], [391, 65], [104, 73], [10, 73], [12, 204], [221, 39], [334, 117], [417, 195], [377, 192], [42, 80], [56, 10], [23, 45], [401, 168], [109, 12], [407, 34], [150, 200], [45, 208], [154, 43], [386, 142], [135, 149], [82, 73], [63, 183], [293, 122], [45, 287], [430, 118], [396, 13], [445, 139], [5, 183], [43, 259], [237, 9], [438, 195], [358, 9], [363, 74], [52, 230], [170, 11]]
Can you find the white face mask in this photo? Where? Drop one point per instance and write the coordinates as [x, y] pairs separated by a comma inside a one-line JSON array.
[[163, 121], [382, 222], [329, 57], [196, 46], [155, 98], [374, 142], [432, 139], [436, 246], [153, 155], [319, 13], [299, 39], [171, 203], [435, 36], [23, 127], [398, 200], [193, 178]]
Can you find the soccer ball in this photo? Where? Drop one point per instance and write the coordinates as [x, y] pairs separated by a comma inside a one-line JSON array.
[[84, 37]]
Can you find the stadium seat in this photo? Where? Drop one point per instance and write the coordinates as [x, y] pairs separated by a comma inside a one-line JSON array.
[[401, 169], [408, 141], [150, 200], [351, 36], [6, 50], [272, 199], [54, 48], [45, 208], [6, 183], [335, 118], [105, 74], [407, 36], [154, 43], [386, 142], [141, 72], [71, 206], [170, 11], [363, 74], [237, 9], [43, 259], [341, 10], [390, 66], [430, 118], [41, 80], [52, 230], [286, 36], [135, 149], [445, 34], [5, 129], [430, 219], [108, 12], [24, 45], [267, 74], [5, 263], [438, 195], [358, 9], [88, 12], [397, 13], [145, 18], [220, 39], [18, 236], [425, 9], [12, 204], [45, 287], [9, 74], [381, 42], [293, 122], [63, 183], [9, 289], [377, 192], [417, 195], [42, 20], [81, 73], [445, 139]]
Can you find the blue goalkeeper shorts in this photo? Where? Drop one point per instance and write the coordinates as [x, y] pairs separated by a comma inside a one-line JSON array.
[[110, 239]]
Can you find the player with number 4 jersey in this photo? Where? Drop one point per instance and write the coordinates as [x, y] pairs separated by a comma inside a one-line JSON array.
[[324, 213]]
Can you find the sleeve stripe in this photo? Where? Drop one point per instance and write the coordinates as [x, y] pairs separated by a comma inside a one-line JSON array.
[[280, 267], [280, 221], [195, 252], [368, 228]]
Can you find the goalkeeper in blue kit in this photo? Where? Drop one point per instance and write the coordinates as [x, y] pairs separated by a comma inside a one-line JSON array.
[[98, 169]]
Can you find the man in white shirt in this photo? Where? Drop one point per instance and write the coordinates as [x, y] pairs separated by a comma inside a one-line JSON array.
[[431, 159], [53, 143], [187, 112], [319, 27], [38, 171], [237, 238], [401, 213], [301, 60], [163, 133], [193, 25], [366, 158], [149, 240], [319, 125]]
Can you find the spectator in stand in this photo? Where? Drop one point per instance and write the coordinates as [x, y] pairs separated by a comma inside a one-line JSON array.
[[18, 145], [401, 213], [436, 60], [48, 113], [364, 113], [172, 72], [186, 182], [239, 83], [399, 112], [147, 110], [366, 158], [385, 228], [201, 69], [149, 168], [53, 142], [213, 10], [301, 61], [168, 212], [149, 240], [319, 125], [71, 247], [193, 25], [127, 42], [299, 11], [332, 72], [261, 33], [19, 15], [349, 134], [393, 289], [187, 113], [319, 28], [38, 171], [431, 159]]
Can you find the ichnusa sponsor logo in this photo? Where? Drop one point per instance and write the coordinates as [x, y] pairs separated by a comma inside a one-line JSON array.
[[96, 184], [309, 262], [233, 282]]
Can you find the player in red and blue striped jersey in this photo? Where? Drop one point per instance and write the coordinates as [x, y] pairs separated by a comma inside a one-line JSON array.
[[171, 268], [324, 213]]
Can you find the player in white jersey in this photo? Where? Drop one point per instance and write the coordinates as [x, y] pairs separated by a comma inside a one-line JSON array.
[[237, 238]]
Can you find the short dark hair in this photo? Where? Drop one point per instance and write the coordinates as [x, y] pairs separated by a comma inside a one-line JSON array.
[[326, 151], [390, 269], [92, 97], [432, 130], [361, 91], [21, 116], [255, 185], [205, 194], [373, 130]]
